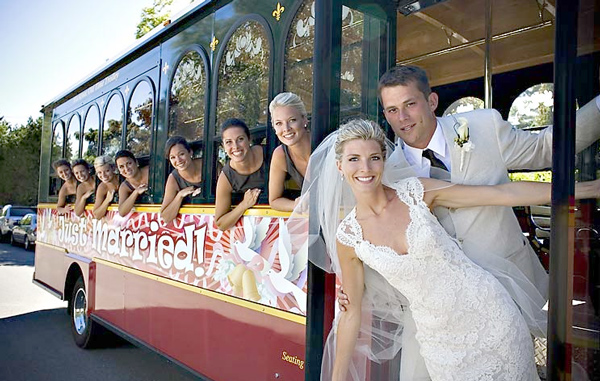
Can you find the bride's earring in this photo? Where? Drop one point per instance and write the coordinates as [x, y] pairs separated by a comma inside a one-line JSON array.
[[342, 175]]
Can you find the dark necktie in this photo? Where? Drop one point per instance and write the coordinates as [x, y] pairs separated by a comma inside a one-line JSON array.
[[435, 162]]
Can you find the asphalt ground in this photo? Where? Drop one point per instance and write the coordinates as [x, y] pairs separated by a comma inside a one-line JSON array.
[[36, 342]]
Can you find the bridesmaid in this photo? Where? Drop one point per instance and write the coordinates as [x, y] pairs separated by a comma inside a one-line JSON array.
[[66, 194], [135, 183], [289, 160], [242, 176], [86, 187], [109, 184], [185, 180]]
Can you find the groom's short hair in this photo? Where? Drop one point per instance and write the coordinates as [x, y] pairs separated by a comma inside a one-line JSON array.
[[402, 76]]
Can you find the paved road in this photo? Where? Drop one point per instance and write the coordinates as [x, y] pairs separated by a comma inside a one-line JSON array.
[[36, 342]]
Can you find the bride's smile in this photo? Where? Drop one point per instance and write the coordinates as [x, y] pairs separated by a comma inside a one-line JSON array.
[[362, 164]]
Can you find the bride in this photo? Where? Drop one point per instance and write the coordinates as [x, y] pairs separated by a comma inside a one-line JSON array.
[[411, 279]]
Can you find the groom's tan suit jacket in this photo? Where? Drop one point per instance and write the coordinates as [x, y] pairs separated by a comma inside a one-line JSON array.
[[498, 148]]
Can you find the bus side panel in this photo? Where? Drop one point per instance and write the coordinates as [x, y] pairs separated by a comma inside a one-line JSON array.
[[202, 332], [205, 297], [108, 300], [217, 338], [49, 267]]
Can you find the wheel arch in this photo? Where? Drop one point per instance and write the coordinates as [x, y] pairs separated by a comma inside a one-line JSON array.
[[73, 274]]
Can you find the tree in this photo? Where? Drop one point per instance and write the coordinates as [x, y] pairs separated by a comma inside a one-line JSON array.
[[20, 162], [153, 16]]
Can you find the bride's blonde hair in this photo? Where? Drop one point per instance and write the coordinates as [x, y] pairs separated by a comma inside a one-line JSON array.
[[359, 129]]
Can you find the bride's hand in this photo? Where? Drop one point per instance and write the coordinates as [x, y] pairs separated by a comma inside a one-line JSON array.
[[342, 299]]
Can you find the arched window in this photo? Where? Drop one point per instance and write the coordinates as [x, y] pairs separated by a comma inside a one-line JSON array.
[[244, 76], [113, 125], [139, 119], [187, 98], [56, 152], [73, 139], [91, 126], [534, 107], [463, 105], [298, 69]]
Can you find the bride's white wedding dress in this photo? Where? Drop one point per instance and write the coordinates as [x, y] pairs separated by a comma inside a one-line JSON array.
[[467, 325]]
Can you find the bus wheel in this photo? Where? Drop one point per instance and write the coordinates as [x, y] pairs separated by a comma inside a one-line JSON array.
[[85, 331]]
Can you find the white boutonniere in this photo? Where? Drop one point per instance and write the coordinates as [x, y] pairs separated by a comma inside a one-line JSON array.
[[461, 141]]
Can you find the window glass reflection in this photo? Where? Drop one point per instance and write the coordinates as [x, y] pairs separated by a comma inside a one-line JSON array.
[[186, 98], [139, 120], [73, 137], [534, 107], [585, 313], [351, 70], [113, 123], [463, 105], [91, 127], [299, 54], [56, 152], [244, 76]]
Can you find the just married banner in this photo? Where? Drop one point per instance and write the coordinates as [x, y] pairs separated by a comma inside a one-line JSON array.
[[261, 259]]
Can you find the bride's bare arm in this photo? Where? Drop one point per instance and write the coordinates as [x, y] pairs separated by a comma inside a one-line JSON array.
[[441, 193], [349, 324]]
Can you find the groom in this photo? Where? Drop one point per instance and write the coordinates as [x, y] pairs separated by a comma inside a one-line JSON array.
[[490, 236]]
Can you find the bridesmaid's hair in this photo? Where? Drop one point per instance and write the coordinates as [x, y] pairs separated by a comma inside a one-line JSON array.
[[61, 163], [81, 162], [404, 75], [288, 100], [173, 141], [103, 160], [125, 153], [359, 129], [235, 122]]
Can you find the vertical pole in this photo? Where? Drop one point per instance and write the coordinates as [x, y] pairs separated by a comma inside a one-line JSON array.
[[326, 113], [563, 165], [487, 66]]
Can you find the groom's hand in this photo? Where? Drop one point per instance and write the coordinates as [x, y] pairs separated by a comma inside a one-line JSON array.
[[342, 299]]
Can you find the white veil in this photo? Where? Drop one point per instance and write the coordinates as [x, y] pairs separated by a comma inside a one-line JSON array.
[[385, 314]]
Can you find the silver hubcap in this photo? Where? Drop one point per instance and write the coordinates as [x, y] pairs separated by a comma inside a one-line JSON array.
[[79, 307]]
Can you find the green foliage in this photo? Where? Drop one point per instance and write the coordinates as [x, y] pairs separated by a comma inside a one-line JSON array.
[[19, 162], [542, 176], [153, 16], [531, 108]]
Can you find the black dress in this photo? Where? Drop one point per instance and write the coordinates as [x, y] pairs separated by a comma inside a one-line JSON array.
[[241, 183], [142, 198], [183, 183], [293, 178]]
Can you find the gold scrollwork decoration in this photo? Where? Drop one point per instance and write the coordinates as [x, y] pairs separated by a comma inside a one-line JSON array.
[[277, 12], [214, 43]]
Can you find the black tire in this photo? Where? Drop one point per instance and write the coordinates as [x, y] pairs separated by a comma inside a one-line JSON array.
[[12, 240], [86, 332]]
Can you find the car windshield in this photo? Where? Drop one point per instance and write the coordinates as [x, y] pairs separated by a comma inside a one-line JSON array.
[[19, 212]]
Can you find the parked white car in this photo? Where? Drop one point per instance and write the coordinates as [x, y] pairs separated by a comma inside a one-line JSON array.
[[10, 216]]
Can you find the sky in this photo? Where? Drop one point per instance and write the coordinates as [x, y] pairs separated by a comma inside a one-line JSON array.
[[48, 46]]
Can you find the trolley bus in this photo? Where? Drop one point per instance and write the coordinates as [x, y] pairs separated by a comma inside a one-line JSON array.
[[245, 303]]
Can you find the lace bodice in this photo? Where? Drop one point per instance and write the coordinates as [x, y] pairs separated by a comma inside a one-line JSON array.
[[467, 325]]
